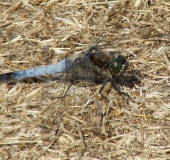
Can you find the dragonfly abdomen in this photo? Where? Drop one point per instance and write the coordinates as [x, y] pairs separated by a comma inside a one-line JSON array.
[[61, 66]]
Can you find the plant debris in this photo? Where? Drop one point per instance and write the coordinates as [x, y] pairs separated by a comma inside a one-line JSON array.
[[34, 124]]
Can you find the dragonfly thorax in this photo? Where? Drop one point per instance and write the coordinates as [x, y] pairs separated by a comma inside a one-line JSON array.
[[99, 59], [118, 64]]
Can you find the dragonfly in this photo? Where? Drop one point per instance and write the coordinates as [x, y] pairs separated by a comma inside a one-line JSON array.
[[93, 66]]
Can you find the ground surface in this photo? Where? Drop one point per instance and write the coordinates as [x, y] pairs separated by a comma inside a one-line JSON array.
[[36, 33]]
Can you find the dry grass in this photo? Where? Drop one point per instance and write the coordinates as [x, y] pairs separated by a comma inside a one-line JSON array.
[[36, 33]]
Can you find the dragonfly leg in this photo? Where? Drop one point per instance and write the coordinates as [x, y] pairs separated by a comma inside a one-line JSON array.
[[128, 81], [131, 82], [124, 81], [118, 89], [102, 88]]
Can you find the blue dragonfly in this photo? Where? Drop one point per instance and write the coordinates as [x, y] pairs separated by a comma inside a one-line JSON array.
[[92, 66]]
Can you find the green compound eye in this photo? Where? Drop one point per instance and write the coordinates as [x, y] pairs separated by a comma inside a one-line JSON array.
[[118, 64]]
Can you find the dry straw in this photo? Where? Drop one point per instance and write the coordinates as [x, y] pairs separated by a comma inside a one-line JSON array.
[[36, 33]]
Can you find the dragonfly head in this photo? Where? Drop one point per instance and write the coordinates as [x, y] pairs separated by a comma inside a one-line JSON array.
[[118, 64]]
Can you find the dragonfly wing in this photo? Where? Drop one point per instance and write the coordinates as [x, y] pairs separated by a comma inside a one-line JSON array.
[[61, 66], [81, 71]]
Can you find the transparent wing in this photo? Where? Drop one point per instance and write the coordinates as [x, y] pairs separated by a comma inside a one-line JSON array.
[[95, 42], [92, 44], [73, 95], [81, 71]]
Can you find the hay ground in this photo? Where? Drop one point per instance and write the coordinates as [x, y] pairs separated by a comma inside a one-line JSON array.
[[36, 33]]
